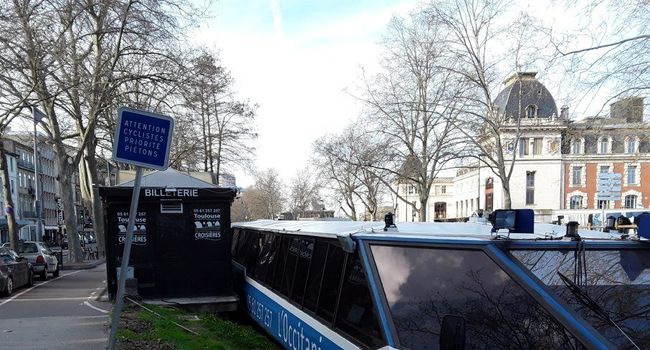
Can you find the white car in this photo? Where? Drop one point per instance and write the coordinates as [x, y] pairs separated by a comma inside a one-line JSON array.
[[41, 257]]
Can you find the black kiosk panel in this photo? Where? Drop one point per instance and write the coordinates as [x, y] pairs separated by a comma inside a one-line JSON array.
[[181, 245]]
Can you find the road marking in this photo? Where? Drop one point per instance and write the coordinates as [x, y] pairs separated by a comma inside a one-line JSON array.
[[95, 307], [38, 285], [50, 299]]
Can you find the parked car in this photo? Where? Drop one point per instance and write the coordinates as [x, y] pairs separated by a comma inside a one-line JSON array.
[[56, 250], [42, 259], [15, 271]]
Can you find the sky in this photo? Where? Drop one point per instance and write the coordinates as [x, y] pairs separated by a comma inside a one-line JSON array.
[[297, 60]]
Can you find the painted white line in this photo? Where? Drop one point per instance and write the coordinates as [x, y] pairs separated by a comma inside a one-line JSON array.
[[95, 307], [38, 285], [50, 299]]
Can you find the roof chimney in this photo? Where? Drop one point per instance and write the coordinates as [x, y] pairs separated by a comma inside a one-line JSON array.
[[564, 112], [630, 109]]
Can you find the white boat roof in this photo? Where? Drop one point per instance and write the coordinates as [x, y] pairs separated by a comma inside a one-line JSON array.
[[425, 230]]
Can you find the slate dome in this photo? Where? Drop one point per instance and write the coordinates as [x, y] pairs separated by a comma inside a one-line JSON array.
[[524, 96]]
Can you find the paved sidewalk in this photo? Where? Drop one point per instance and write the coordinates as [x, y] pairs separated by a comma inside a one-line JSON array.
[[85, 265]]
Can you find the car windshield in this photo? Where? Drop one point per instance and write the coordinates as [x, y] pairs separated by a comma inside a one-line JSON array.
[[618, 281], [425, 285]]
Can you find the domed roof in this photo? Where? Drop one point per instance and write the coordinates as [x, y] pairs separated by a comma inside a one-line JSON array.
[[524, 96]]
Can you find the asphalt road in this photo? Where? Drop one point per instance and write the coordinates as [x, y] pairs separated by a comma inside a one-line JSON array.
[[64, 313]]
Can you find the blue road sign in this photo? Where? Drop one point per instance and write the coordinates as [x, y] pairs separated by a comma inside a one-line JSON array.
[[143, 138]]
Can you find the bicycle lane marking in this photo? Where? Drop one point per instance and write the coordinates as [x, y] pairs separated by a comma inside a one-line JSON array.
[[38, 285]]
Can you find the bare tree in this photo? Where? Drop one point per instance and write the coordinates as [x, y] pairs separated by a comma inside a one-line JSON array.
[[226, 125], [71, 52], [412, 108], [472, 35], [303, 191], [270, 197], [606, 51], [349, 162]]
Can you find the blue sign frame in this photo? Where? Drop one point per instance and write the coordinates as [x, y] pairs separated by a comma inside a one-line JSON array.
[[143, 138]]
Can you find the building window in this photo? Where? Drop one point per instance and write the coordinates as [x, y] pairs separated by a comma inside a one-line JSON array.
[[412, 190], [576, 176], [604, 145], [603, 204], [443, 189], [576, 146], [604, 169], [631, 145], [531, 111], [537, 146], [631, 175], [576, 202], [523, 147], [630, 201], [530, 187]]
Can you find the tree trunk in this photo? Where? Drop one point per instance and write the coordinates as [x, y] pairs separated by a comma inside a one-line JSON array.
[[422, 212], [507, 201], [90, 193], [66, 172], [6, 190]]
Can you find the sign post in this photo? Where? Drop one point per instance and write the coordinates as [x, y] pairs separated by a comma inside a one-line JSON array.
[[142, 139]]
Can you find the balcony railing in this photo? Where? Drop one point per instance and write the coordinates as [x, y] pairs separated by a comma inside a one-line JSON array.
[[25, 165]]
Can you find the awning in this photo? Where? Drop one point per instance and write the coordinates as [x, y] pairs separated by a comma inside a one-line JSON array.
[[19, 223]]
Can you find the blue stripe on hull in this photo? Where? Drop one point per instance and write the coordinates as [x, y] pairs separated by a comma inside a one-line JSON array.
[[285, 326]]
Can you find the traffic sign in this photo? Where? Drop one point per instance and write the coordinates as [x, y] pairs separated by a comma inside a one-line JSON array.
[[143, 138], [609, 187]]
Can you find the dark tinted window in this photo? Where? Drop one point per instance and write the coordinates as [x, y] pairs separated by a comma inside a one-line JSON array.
[[280, 256], [315, 275], [356, 314], [250, 251], [267, 241], [423, 285], [331, 281], [233, 244], [618, 281], [305, 251], [290, 264], [274, 254]]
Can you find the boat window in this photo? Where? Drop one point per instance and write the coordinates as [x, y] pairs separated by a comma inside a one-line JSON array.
[[331, 282], [423, 286], [304, 249], [617, 280], [250, 251], [267, 240], [316, 268], [356, 314], [233, 243], [290, 265], [238, 251], [274, 253], [280, 256]]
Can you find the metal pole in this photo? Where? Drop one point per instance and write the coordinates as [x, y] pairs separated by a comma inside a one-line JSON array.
[[478, 199], [37, 197], [119, 299]]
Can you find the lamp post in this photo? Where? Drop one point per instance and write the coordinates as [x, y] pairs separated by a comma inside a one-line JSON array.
[[37, 116]]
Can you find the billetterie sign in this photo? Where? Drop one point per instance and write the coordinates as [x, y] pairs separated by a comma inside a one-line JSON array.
[[143, 138]]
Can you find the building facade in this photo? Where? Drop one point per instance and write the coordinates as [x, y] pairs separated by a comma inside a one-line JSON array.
[[555, 161], [21, 147]]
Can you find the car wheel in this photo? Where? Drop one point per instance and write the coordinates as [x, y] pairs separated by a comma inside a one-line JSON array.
[[9, 288], [30, 279], [57, 271], [44, 274]]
